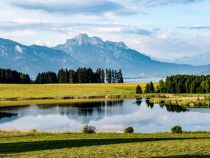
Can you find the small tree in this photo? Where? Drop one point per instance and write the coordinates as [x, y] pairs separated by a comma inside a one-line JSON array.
[[162, 88], [129, 130], [138, 89], [151, 87], [176, 129], [89, 129], [147, 88]]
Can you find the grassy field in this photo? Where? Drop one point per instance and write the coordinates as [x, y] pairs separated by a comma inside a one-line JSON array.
[[62, 90], [17, 94], [25, 94], [103, 145]]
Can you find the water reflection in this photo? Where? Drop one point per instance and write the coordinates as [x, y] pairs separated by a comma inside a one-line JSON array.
[[174, 108], [149, 104], [105, 115], [138, 101]]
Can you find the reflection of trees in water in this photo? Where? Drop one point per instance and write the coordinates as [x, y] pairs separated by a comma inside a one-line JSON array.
[[82, 109], [115, 103], [6, 115], [79, 111], [86, 109], [149, 104], [169, 108], [174, 108], [89, 111], [138, 101]]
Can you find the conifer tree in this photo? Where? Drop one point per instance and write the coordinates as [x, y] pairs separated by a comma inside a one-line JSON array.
[[138, 89]]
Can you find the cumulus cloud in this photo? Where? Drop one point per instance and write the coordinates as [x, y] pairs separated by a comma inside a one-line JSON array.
[[155, 33]]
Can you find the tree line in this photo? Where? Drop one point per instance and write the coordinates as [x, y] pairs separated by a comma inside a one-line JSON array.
[[81, 75], [179, 84], [185, 84], [12, 76]]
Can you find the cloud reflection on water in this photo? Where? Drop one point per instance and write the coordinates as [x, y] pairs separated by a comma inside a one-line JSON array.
[[105, 116]]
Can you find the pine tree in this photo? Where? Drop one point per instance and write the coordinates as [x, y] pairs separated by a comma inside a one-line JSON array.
[[147, 88], [108, 76], [151, 87], [138, 89], [120, 76]]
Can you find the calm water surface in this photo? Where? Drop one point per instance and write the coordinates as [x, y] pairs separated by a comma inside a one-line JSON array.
[[105, 116]]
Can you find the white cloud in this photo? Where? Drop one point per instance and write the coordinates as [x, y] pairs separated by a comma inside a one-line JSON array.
[[43, 43], [49, 22]]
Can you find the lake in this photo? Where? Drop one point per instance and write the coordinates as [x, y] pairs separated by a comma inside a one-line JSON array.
[[142, 79], [105, 116]]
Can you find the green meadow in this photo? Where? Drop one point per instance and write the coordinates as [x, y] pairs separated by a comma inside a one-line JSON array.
[[39, 91], [106, 145], [25, 94]]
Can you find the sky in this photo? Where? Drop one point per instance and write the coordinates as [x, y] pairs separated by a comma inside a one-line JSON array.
[[163, 29]]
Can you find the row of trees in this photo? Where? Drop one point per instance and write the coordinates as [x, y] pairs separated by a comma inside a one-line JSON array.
[[149, 88], [11, 76], [185, 84], [81, 75], [179, 84]]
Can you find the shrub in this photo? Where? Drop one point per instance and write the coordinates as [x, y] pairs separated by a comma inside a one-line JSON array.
[[129, 130], [89, 129], [176, 129], [138, 90]]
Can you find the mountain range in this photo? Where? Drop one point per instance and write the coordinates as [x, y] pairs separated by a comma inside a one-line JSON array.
[[85, 51]]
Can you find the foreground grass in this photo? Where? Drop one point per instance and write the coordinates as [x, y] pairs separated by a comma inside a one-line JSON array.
[[106, 145]]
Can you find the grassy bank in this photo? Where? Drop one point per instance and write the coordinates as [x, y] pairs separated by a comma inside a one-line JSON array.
[[16, 144], [186, 100]]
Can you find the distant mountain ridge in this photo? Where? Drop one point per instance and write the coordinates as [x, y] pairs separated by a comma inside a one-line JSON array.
[[33, 59], [94, 52], [85, 51]]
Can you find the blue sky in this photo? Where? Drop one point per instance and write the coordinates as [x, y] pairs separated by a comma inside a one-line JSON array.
[[163, 29]]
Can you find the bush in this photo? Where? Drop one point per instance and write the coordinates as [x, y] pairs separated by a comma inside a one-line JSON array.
[[138, 90], [129, 130], [89, 129], [176, 129]]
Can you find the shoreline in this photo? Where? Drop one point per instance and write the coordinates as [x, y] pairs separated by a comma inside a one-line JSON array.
[[56, 101], [185, 100]]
